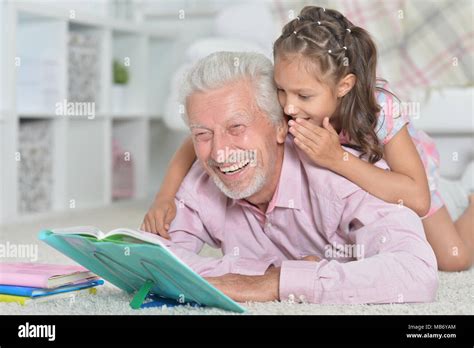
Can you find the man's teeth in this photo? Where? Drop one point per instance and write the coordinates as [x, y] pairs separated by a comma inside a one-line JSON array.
[[234, 167]]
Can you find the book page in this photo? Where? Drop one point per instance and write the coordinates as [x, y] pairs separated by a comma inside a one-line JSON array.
[[140, 235], [86, 230]]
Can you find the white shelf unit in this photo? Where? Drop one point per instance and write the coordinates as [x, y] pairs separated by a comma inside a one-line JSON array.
[[158, 79], [130, 50], [40, 54], [36, 38]]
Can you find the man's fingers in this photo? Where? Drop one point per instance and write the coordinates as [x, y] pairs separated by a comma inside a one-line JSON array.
[[311, 258]]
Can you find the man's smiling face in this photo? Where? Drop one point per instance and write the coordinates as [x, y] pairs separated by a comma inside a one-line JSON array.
[[234, 140]]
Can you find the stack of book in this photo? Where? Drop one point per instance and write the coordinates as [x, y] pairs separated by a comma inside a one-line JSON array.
[[35, 282]]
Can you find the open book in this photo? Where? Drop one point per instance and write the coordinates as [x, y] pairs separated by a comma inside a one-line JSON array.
[[119, 234], [131, 259]]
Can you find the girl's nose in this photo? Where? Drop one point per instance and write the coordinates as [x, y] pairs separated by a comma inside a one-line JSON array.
[[290, 109]]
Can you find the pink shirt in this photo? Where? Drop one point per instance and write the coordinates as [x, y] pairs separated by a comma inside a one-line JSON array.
[[371, 251]]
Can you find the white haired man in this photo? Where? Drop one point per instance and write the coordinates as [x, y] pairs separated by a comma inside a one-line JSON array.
[[288, 229]]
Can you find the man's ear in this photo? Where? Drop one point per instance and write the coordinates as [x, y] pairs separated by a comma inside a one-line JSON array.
[[282, 131], [345, 85]]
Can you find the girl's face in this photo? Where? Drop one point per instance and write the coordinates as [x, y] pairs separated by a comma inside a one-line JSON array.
[[302, 95]]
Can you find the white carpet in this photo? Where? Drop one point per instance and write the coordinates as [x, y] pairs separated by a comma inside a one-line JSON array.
[[455, 294]]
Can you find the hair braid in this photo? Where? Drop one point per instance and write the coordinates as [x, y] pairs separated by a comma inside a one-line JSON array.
[[334, 48]]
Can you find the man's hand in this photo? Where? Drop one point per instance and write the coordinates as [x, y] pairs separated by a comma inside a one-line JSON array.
[[242, 288]]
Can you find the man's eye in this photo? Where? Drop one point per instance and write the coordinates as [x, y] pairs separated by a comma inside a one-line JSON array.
[[203, 136], [304, 97], [237, 128]]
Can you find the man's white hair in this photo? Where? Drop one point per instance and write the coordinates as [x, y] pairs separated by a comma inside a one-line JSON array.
[[221, 68]]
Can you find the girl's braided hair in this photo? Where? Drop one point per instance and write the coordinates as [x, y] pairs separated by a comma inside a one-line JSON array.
[[334, 47]]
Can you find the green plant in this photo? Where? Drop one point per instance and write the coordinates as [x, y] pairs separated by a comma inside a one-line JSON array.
[[121, 75]]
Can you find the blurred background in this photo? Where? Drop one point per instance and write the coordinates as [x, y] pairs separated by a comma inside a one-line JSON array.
[[88, 110]]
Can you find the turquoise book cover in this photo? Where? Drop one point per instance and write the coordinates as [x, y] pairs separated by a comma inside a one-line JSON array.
[[128, 262]]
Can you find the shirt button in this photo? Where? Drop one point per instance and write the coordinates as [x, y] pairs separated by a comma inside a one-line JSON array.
[[383, 239], [291, 298]]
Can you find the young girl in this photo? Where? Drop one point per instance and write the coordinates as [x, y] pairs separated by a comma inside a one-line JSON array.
[[325, 72]]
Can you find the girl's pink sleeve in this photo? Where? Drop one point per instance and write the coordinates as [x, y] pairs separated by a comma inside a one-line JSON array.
[[392, 117]]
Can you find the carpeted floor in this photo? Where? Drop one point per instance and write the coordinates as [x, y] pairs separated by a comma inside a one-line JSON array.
[[455, 294]]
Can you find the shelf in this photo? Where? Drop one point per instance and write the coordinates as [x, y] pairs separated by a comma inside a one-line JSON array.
[[130, 51], [88, 18], [158, 79], [7, 116], [86, 159], [97, 116], [77, 171], [41, 74], [129, 116], [3, 28], [62, 10], [35, 167], [85, 66], [8, 172], [37, 115], [130, 158], [156, 117]]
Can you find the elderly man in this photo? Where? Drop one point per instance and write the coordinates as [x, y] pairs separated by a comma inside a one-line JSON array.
[[288, 229]]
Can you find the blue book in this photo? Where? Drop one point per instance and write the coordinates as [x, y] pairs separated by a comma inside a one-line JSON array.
[[137, 262], [37, 292]]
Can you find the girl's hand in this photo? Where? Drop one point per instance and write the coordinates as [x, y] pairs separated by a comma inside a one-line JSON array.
[[159, 216], [321, 144]]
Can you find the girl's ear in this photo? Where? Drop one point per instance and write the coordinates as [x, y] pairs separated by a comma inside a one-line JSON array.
[[345, 85]]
